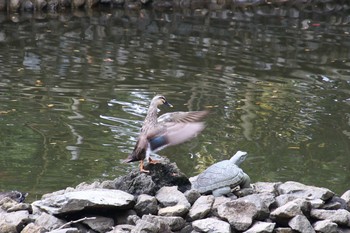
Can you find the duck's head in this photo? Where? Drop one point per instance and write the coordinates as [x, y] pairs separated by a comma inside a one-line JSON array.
[[160, 100]]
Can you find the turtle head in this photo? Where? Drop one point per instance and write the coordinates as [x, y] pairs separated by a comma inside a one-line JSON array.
[[239, 157]]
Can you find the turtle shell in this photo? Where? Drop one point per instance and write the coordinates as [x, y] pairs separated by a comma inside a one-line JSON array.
[[218, 175]]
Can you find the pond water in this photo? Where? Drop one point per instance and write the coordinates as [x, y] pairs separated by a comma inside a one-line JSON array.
[[75, 88]]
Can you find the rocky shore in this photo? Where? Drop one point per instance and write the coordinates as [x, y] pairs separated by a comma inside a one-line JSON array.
[[320, 6], [163, 201]]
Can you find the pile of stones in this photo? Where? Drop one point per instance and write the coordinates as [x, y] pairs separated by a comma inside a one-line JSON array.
[[163, 201], [316, 6]]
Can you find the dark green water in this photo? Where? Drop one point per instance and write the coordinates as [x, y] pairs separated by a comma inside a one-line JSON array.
[[74, 89]]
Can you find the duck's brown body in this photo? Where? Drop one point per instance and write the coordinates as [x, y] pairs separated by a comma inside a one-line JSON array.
[[169, 129]]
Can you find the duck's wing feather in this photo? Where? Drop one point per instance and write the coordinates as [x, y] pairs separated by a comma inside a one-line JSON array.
[[182, 117], [139, 152], [172, 133]]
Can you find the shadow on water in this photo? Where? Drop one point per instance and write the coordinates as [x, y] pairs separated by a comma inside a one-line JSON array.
[[76, 86]]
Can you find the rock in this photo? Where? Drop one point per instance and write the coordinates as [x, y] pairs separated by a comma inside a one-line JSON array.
[[341, 216], [7, 203], [346, 197], [177, 210], [325, 226], [175, 223], [32, 228], [161, 175], [146, 204], [259, 202], [78, 3], [14, 222], [335, 203], [211, 225], [14, 195], [285, 198], [283, 230], [20, 206], [123, 228], [217, 202], [289, 210], [170, 196], [192, 195], [100, 224], [145, 226], [201, 207], [304, 191], [48, 222], [133, 219], [86, 200], [39, 4], [266, 187], [66, 230], [316, 203], [301, 224], [239, 214], [121, 217], [261, 227], [14, 5]]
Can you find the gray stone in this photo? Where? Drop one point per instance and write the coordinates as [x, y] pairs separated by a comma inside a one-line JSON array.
[[304, 191], [32, 228], [211, 225], [343, 230], [14, 222], [285, 198], [346, 198], [291, 209], [100, 224], [146, 204], [132, 219], [217, 202], [14, 195], [170, 196], [283, 230], [335, 203], [261, 227], [301, 224], [121, 217], [49, 222], [161, 175], [201, 207], [177, 210], [7, 203], [239, 214], [266, 187], [20, 206], [88, 199], [325, 226], [192, 195], [66, 230], [143, 226], [123, 228], [341, 216], [175, 223], [316, 203], [256, 199]]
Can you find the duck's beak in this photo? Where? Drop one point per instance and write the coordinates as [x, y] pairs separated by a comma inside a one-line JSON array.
[[168, 104]]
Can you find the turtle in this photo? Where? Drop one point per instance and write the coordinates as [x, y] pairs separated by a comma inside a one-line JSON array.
[[221, 177]]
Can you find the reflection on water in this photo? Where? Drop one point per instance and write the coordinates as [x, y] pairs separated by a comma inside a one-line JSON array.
[[75, 89]]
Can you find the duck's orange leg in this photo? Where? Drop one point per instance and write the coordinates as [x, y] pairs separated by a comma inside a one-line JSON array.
[[151, 161], [142, 168]]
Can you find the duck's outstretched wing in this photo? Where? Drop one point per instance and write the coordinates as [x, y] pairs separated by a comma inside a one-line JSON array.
[[172, 133], [182, 117]]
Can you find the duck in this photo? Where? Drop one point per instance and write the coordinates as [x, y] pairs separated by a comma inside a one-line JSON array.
[[167, 130]]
